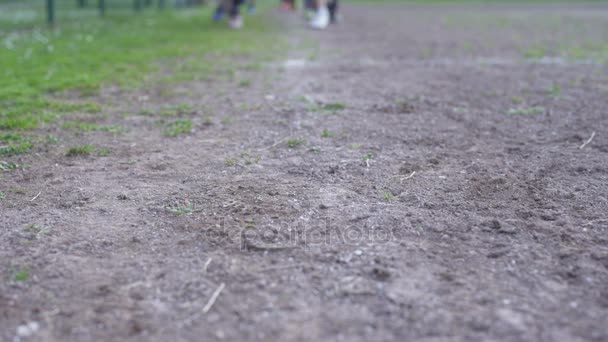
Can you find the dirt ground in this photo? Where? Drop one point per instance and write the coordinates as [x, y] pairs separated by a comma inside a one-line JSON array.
[[411, 178]]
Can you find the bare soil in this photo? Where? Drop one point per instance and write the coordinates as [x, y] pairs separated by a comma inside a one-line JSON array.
[[454, 197]]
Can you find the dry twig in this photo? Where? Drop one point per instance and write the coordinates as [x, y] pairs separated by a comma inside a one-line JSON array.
[[213, 298], [33, 199], [588, 141], [206, 265], [408, 177]]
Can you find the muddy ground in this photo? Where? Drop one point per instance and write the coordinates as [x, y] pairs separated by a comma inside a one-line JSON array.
[[412, 178]]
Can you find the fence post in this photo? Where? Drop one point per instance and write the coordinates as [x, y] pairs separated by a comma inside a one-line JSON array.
[[137, 5], [161, 4], [82, 3], [102, 7], [50, 11]]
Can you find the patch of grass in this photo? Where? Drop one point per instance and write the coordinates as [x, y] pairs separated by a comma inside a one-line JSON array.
[[227, 120], [328, 108], [245, 158], [2, 195], [327, 134], [145, 112], [315, 150], [249, 159], [253, 67], [295, 143], [334, 107], [554, 91], [355, 146], [314, 108], [24, 113], [81, 150], [18, 191], [426, 53], [88, 52], [178, 127], [535, 53], [13, 144], [93, 127], [303, 99], [37, 230], [52, 139], [207, 120], [84, 52], [21, 275], [7, 166], [388, 196], [517, 99], [526, 111], [181, 209], [245, 83], [367, 156], [181, 109], [103, 152]]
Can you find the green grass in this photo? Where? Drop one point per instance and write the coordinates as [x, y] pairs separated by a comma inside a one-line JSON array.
[[334, 107], [388, 196], [104, 152], [245, 83], [295, 143], [367, 156], [7, 166], [21, 275], [13, 144], [2, 195], [526, 111], [92, 127], [327, 134], [554, 91], [81, 150], [182, 109], [37, 231], [84, 53], [181, 209], [178, 127]]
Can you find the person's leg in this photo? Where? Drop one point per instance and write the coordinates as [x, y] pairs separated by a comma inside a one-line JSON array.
[[321, 19], [220, 10], [288, 5], [310, 9], [236, 21], [333, 10]]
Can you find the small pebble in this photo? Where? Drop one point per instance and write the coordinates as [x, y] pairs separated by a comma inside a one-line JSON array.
[[28, 329]]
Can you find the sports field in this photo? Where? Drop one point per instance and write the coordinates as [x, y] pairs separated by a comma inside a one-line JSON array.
[[419, 171]]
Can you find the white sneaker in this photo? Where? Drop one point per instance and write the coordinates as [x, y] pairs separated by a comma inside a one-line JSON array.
[[236, 22], [321, 19]]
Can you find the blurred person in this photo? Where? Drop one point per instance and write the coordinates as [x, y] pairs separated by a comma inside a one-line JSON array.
[[326, 13], [310, 8], [332, 6], [233, 8], [288, 5]]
